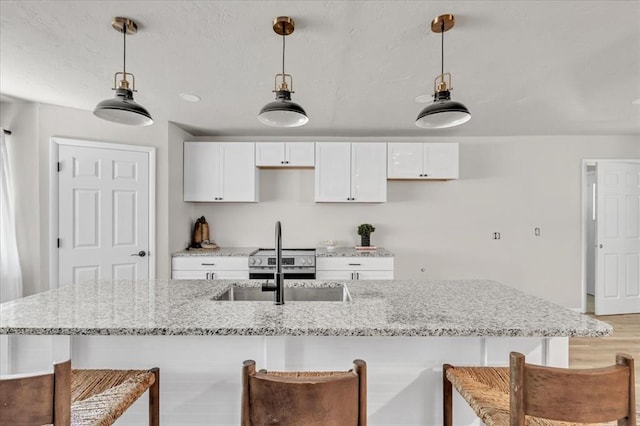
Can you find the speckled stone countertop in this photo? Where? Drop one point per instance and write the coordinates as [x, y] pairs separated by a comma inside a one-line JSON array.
[[220, 251], [379, 308], [352, 252]]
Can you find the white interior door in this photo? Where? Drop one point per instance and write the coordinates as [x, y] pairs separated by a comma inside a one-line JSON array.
[[618, 238], [103, 214]]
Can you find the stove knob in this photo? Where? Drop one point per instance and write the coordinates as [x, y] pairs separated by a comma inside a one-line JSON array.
[[303, 261], [310, 260], [252, 261], [258, 261]]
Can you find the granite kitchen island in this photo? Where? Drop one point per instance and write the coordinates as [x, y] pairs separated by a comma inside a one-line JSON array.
[[405, 330]]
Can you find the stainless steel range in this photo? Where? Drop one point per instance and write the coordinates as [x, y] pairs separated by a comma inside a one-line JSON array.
[[296, 263]]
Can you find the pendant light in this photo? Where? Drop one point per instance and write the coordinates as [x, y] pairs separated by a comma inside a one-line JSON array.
[[122, 108], [283, 112], [443, 112]]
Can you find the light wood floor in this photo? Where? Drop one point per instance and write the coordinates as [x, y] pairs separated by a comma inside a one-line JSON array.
[[587, 352]]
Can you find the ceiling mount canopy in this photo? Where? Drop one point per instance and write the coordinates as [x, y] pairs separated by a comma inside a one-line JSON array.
[[283, 112], [122, 108], [443, 112]]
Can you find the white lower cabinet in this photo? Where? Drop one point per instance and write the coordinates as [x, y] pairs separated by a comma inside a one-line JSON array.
[[210, 268], [354, 268]]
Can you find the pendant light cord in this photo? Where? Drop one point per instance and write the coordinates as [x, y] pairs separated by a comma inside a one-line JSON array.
[[124, 55], [283, 37], [442, 51]]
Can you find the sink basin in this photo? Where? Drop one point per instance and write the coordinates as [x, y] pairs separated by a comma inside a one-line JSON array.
[[291, 294]]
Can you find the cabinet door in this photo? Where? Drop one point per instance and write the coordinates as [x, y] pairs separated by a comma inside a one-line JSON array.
[[333, 172], [301, 154], [441, 160], [405, 160], [270, 154], [369, 172], [202, 171], [239, 172], [335, 275]]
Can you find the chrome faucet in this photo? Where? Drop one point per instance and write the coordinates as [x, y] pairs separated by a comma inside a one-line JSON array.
[[278, 277]]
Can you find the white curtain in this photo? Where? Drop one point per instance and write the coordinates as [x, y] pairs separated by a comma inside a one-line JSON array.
[[10, 273]]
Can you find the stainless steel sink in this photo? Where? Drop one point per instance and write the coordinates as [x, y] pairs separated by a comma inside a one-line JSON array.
[[291, 294]]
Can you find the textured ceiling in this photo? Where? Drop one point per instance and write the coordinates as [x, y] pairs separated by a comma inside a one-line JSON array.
[[521, 67]]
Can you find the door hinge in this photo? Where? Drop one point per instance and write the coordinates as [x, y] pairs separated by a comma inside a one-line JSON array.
[[58, 243], [59, 165]]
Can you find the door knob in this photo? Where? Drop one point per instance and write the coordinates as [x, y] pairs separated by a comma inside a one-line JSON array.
[[141, 253]]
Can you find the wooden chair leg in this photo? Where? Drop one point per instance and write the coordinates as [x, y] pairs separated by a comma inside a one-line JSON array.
[[447, 397], [360, 368], [248, 369], [154, 399]]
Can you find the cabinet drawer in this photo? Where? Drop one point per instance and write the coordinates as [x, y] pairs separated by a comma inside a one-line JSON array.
[[210, 263], [354, 263], [209, 275]]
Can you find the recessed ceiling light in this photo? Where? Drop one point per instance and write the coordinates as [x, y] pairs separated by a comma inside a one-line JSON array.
[[636, 102], [189, 97], [423, 99]]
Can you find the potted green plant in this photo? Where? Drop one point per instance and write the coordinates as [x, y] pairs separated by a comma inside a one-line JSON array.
[[365, 231]]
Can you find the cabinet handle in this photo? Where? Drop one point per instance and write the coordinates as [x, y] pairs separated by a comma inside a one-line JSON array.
[[352, 275], [207, 275], [282, 162], [355, 264], [357, 275], [207, 264], [213, 275]]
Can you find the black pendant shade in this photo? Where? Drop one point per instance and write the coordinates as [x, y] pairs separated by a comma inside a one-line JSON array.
[[123, 109], [443, 113], [283, 112]]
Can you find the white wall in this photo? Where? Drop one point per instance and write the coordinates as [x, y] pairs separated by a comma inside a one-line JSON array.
[[32, 126], [509, 185], [180, 213]]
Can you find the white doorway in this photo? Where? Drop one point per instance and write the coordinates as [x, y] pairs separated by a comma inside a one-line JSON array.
[[611, 236], [102, 212]]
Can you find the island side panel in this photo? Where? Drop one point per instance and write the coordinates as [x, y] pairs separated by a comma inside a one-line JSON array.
[[201, 374]]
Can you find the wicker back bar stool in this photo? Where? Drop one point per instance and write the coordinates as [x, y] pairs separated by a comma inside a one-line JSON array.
[[532, 395], [76, 397], [327, 398]]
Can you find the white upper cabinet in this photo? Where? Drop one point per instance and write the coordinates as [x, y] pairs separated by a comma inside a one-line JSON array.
[[351, 172], [219, 172], [285, 154], [422, 161]]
